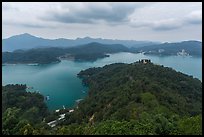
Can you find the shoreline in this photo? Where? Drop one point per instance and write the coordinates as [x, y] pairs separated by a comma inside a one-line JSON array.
[[29, 64]]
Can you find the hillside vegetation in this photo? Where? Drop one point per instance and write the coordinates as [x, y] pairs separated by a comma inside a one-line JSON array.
[[137, 99], [22, 111]]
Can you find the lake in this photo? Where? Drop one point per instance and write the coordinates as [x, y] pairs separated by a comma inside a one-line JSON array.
[[60, 81]]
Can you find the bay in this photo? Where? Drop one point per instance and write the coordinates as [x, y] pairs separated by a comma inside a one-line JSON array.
[[60, 82]]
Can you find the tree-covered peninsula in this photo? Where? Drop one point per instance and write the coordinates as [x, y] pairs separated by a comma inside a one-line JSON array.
[[139, 98]]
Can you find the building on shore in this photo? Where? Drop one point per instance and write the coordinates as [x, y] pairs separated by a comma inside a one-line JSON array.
[[145, 61]]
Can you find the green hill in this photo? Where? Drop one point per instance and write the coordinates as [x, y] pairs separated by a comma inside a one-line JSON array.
[[139, 99]]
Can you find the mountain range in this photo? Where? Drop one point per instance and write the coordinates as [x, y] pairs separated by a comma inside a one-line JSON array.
[[26, 48]]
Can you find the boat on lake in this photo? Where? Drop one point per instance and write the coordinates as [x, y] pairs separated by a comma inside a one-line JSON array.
[[78, 100], [29, 87], [33, 64], [47, 97]]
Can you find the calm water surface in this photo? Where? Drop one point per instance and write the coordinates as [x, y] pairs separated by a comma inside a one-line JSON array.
[[60, 81]]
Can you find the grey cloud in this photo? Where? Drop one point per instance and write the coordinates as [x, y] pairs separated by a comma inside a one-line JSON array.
[[194, 17], [195, 21], [112, 13], [34, 26], [139, 24], [166, 27], [28, 25], [160, 25], [168, 24]]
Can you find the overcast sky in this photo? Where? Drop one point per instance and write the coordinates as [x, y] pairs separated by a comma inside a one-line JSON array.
[[137, 21]]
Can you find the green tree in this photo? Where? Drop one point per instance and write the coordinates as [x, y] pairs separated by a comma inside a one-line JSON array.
[[27, 130], [190, 125], [10, 120]]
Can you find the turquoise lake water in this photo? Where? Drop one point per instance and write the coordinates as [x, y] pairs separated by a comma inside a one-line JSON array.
[[60, 81]]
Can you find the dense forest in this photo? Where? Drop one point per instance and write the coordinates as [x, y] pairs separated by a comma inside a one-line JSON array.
[[22, 111], [138, 99], [126, 99]]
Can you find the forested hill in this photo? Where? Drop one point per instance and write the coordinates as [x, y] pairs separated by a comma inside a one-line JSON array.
[[120, 82], [139, 99], [94, 50], [87, 52]]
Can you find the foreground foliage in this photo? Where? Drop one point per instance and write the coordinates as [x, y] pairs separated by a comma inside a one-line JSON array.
[[22, 112]]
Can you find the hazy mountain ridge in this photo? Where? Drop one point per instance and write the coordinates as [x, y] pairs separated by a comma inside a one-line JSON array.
[[193, 48], [27, 41]]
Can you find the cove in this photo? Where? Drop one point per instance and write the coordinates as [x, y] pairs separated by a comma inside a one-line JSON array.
[[60, 81]]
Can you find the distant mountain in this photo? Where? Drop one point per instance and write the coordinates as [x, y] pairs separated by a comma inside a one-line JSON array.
[[193, 48], [94, 50], [127, 43], [27, 41], [86, 52], [95, 47]]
